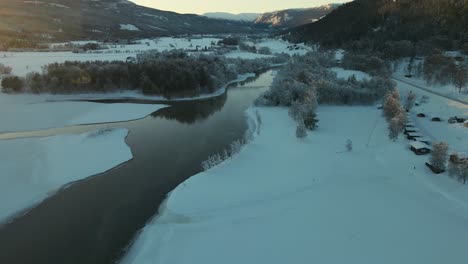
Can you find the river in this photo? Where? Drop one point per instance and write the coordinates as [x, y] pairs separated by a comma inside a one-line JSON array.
[[94, 220]]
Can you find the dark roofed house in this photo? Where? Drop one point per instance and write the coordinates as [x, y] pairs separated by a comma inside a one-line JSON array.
[[419, 148], [413, 136], [409, 130]]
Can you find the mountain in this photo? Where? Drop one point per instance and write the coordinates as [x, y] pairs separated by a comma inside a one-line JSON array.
[[248, 17], [375, 22], [26, 22], [295, 17]]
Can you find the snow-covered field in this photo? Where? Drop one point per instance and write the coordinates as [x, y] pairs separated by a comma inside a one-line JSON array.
[[27, 112], [278, 46], [33, 169], [239, 54], [345, 74], [285, 200], [25, 62]]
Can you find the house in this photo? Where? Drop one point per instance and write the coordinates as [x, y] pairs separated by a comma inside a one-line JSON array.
[[425, 140], [409, 130], [413, 136], [420, 148], [434, 169]]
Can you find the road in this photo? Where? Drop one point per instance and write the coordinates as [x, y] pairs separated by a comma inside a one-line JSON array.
[[431, 91]]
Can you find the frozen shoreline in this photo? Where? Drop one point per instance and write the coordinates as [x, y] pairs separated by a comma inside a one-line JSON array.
[[35, 168]]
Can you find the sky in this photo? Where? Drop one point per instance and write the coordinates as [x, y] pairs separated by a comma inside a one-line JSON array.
[[231, 6]]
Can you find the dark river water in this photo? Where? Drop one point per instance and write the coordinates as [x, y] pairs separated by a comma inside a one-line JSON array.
[[94, 220]]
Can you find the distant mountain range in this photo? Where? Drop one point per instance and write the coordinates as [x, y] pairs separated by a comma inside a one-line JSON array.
[[62, 20], [443, 23], [281, 18], [248, 17], [295, 17]]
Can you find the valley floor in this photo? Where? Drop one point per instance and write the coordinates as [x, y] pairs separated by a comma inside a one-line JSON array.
[[285, 200]]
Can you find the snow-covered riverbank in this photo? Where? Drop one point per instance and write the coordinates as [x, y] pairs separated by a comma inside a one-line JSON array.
[[285, 200], [35, 168], [25, 112]]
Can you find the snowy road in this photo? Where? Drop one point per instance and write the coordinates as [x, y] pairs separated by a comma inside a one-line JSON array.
[[431, 91]]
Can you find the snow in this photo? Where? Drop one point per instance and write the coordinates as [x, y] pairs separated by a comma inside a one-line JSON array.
[[285, 200], [456, 135], [35, 168], [238, 54], [278, 46], [25, 62], [448, 90], [345, 74], [25, 112], [419, 145], [128, 27]]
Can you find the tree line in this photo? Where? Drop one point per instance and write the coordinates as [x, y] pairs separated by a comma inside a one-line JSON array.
[[173, 73]]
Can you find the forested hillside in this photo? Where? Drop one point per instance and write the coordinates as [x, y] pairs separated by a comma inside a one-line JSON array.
[[369, 24]]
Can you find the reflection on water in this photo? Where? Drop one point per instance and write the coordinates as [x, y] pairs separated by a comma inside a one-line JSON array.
[[192, 112], [93, 220]]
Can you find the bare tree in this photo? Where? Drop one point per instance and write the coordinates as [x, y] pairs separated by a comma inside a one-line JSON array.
[[349, 145], [460, 78], [394, 128], [453, 167], [410, 100], [439, 155]]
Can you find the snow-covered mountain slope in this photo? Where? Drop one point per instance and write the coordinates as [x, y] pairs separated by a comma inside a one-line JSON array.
[[295, 17], [248, 17]]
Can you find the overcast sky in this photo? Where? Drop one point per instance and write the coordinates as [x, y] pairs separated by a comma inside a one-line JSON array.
[[231, 6]]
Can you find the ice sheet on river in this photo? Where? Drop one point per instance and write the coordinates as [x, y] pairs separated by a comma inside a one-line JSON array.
[[27, 112], [32, 169]]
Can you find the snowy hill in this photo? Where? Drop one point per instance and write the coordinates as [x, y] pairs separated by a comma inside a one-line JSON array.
[[248, 17], [26, 22], [295, 17]]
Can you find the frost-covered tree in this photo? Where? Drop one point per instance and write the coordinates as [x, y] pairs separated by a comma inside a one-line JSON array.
[[439, 155], [5, 69], [392, 106], [410, 100], [453, 167], [301, 131], [394, 129], [458, 167]]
